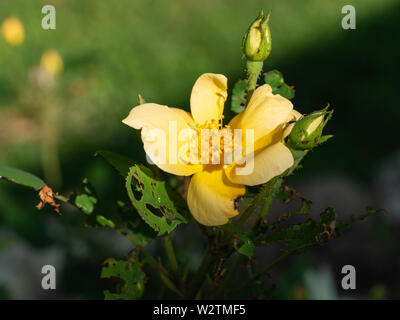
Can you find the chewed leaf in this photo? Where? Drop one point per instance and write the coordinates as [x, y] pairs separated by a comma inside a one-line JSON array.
[[120, 162], [239, 96], [21, 177], [300, 236], [341, 226], [275, 79], [130, 274], [151, 199]]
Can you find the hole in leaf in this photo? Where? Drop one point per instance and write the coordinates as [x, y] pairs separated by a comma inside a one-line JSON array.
[[153, 210]]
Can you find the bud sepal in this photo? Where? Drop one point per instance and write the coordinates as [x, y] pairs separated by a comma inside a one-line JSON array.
[[307, 132]]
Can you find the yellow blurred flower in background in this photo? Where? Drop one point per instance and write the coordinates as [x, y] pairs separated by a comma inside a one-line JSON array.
[[52, 62], [13, 31]]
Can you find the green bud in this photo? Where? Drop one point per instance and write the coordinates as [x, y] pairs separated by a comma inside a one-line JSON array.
[[307, 132], [257, 40]]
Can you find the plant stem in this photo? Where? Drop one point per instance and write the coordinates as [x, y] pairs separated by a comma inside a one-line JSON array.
[[230, 275], [169, 249], [197, 282], [253, 70], [296, 163], [262, 271], [273, 187], [254, 204]]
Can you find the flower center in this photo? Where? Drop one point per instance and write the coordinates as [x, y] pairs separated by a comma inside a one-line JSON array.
[[212, 143]]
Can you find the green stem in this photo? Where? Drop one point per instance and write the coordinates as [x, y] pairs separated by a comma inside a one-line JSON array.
[[262, 271], [268, 192], [253, 70], [169, 249], [197, 282], [273, 187], [297, 162], [250, 209], [230, 275]]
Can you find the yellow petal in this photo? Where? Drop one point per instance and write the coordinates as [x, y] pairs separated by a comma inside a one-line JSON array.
[[263, 166], [314, 125], [264, 113], [294, 116], [160, 140], [211, 197], [208, 97]]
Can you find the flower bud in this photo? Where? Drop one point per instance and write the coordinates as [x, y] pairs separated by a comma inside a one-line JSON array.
[[13, 31], [257, 40], [307, 132]]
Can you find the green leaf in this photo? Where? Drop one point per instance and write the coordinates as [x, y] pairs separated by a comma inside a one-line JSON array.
[[347, 224], [86, 203], [239, 93], [247, 248], [131, 278], [120, 162], [300, 236], [141, 100], [140, 229], [285, 91], [325, 138], [21, 177], [275, 79], [151, 199], [305, 206], [105, 222]]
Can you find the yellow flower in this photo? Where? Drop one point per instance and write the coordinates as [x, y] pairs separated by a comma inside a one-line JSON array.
[[52, 62], [13, 31], [215, 187]]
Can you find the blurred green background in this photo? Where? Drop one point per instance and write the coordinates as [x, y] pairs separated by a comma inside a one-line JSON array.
[[112, 50]]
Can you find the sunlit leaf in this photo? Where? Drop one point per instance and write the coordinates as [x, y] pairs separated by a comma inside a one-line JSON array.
[[105, 222], [152, 200], [88, 200], [21, 177], [86, 203]]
